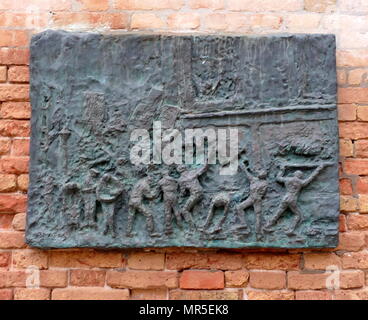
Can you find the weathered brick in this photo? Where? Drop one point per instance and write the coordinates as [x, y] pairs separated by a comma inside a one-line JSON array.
[[352, 279], [6, 221], [347, 112], [23, 182], [236, 279], [357, 76], [13, 38], [4, 259], [5, 144], [303, 21], [87, 278], [93, 5], [11, 240], [148, 294], [147, 21], [15, 110], [148, 5], [18, 74], [53, 278], [303, 281], [269, 295], [320, 261], [351, 294], [10, 279], [13, 203], [363, 203], [46, 5], [320, 5], [353, 95], [342, 223], [14, 128], [90, 293], [356, 166], [205, 295], [362, 113], [351, 241], [31, 294], [349, 204], [346, 148], [207, 4], [3, 73], [265, 5], [356, 6], [14, 165], [20, 147], [269, 261], [358, 222], [362, 187], [346, 188], [6, 294], [355, 260], [24, 258], [267, 279], [313, 295], [8, 182], [361, 148], [85, 258], [14, 56], [146, 261], [142, 279], [30, 20], [184, 21], [201, 279]]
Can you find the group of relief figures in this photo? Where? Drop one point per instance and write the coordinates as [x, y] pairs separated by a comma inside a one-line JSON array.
[[108, 188]]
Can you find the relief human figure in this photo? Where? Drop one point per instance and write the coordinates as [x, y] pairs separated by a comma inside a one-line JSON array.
[[89, 197], [141, 190], [293, 185], [108, 191], [219, 200], [257, 191], [188, 181], [169, 188]]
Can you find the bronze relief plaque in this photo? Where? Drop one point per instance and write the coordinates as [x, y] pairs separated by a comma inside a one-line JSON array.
[[194, 141]]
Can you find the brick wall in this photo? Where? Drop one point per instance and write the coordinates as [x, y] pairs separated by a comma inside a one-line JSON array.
[[176, 273]]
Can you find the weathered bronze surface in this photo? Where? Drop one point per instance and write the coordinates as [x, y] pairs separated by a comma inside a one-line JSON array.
[[90, 91]]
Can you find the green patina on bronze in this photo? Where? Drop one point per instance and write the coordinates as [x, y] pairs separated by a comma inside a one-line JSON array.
[[90, 91]]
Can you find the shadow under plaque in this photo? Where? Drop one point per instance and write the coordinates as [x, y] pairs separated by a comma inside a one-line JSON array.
[[91, 92]]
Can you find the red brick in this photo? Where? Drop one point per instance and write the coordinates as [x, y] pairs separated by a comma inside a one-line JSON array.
[[14, 128], [303, 21], [8, 182], [313, 295], [362, 185], [13, 38], [353, 95], [363, 203], [351, 294], [148, 5], [362, 113], [3, 73], [183, 21], [236, 279], [207, 4], [267, 279], [5, 144], [19, 222], [320, 5], [346, 148], [347, 112], [352, 279], [4, 259], [87, 278], [15, 110], [142, 279], [355, 260], [24, 20], [90, 293], [14, 56], [361, 148], [200, 279], [11, 240], [18, 74], [31, 294], [358, 222], [147, 21], [342, 223], [10, 279], [346, 187], [85, 258], [353, 130], [14, 92], [146, 261], [320, 261], [22, 182], [45, 5], [13, 203], [303, 281], [357, 76], [6, 221], [24, 258], [352, 40], [54, 278], [93, 5], [270, 261], [356, 166], [148, 294], [20, 147], [270, 295], [6, 294], [351, 241], [14, 165], [341, 77], [222, 261], [265, 5], [205, 295]]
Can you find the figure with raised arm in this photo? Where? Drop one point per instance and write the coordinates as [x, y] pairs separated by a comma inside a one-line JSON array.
[[293, 185], [257, 191], [188, 181]]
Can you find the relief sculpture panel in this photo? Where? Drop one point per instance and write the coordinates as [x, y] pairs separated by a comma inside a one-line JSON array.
[[192, 140]]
